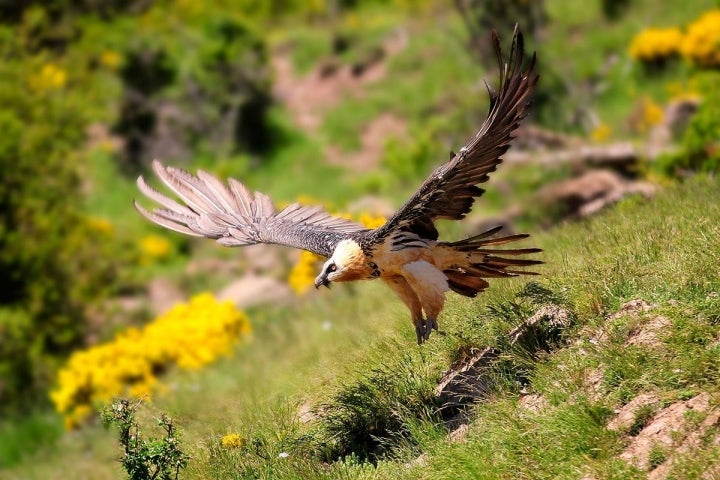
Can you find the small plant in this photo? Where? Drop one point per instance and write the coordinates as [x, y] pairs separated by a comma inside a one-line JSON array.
[[374, 414], [232, 440], [657, 456], [160, 458], [642, 418]]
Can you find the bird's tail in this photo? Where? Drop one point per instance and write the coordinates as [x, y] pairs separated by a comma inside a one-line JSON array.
[[467, 263]]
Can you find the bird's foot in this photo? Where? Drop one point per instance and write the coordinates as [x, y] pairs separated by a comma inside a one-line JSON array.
[[424, 328]]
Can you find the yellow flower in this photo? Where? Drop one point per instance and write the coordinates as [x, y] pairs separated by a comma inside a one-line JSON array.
[[601, 132], [76, 417], [371, 221], [110, 59], [232, 440], [649, 115], [153, 248], [679, 91], [50, 77], [302, 274]]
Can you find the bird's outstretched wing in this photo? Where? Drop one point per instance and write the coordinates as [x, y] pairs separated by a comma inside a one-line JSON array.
[[449, 192], [234, 216]]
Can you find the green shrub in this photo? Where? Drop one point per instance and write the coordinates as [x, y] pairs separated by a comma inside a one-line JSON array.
[[700, 144], [207, 90]]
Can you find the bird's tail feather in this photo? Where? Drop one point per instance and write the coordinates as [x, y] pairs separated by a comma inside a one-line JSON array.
[[466, 263]]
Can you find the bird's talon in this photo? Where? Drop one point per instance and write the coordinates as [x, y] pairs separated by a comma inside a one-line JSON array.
[[424, 328]]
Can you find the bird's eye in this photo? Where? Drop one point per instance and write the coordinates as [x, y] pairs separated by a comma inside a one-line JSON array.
[[332, 267]]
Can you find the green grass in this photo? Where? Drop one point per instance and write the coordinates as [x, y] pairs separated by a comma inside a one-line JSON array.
[[33, 431]]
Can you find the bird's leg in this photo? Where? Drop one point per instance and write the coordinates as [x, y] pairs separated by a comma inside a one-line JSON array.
[[419, 322], [421, 331], [400, 286], [429, 285]]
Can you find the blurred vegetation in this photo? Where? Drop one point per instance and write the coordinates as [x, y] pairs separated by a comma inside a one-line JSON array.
[[55, 259], [699, 145], [91, 91], [186, 95]]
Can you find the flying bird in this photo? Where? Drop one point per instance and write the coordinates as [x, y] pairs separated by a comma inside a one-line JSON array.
[[405, 252]]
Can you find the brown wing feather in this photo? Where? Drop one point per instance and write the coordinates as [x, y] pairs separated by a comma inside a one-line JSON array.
[[451, 189], [234, 216]]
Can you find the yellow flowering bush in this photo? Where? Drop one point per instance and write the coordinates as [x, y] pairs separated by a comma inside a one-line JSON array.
[[654, 45], [190, 335], [302, 275], [701, 44]]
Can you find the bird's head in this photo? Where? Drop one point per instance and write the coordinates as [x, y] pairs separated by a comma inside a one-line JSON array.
[[347, 263]]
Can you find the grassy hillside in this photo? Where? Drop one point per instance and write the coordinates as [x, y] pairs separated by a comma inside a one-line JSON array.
[[340, 387]]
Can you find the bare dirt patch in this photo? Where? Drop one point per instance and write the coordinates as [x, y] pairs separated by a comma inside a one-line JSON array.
[[308, 97], [676, 430], [627, 415]]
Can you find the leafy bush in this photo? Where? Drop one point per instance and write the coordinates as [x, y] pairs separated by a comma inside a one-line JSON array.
[[143, 459], [700, 144], [52, 257], [194, 92]]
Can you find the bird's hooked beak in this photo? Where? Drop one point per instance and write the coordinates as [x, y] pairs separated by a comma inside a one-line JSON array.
[[322, 280]]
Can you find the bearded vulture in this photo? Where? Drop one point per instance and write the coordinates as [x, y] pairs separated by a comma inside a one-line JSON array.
[[405, 252]]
